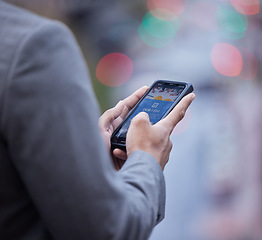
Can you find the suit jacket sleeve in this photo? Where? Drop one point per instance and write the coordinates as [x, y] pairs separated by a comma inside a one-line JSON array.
[[50, 120]]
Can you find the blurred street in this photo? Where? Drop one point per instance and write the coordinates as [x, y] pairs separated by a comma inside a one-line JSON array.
[[214, 176]]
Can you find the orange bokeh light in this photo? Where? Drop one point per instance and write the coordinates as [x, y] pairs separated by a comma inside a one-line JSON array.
[[166, 9], [247, 7], [227, 59], [114, 69]]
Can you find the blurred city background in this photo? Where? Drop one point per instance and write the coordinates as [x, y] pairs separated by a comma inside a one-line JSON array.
[[213, 178]]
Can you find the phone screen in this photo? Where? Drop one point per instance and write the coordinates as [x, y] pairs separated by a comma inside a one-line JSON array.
[[156, 103]]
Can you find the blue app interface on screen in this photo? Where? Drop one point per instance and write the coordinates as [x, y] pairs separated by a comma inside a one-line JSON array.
[[156, 103]]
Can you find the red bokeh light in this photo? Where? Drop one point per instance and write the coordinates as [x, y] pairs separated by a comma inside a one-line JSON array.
[[114, 69], [227, 59], [166, 9], [247, 7]]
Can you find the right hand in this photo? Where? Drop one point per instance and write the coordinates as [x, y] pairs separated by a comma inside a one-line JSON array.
[[155, 139]]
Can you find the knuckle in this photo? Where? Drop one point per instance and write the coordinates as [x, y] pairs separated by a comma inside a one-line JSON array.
[[182, 114], [139, 121], [120, 104], [108, 112], [126, 109]]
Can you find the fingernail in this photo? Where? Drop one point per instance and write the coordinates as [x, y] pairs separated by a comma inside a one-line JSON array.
[[193, 96]]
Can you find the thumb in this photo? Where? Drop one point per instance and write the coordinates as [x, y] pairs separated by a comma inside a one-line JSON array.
[[177, 114], [142, 116], [140, 120], [139, 126]]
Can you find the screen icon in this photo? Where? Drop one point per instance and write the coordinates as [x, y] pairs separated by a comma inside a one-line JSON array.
[[155, 105]]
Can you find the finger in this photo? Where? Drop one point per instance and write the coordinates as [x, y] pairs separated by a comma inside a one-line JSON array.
[[140, 117], [127, 104], [139, 123], [141, 120], [178, 113], [132, 100], [118, 153], [111, 114], [121, 110]]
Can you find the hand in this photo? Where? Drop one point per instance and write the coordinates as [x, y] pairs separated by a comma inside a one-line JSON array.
[[155, 139], [112, 118]]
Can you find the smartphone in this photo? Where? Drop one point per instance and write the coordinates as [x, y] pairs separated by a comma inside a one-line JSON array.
[[158, 101]]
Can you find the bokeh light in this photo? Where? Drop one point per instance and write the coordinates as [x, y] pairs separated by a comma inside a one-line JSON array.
[[114, 69], [250, 65], [152, 41], [158, 28], [156, 32], [166, 9], [206, 21], [227, 59], [232, 24], [247, 7]]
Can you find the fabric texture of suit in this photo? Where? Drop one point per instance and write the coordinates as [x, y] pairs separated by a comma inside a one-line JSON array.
[[56, 176]]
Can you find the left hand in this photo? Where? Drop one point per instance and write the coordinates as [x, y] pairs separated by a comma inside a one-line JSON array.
[[112, 118]]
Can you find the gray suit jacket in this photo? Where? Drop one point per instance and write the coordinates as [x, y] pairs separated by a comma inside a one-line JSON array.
[[56, 176]]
